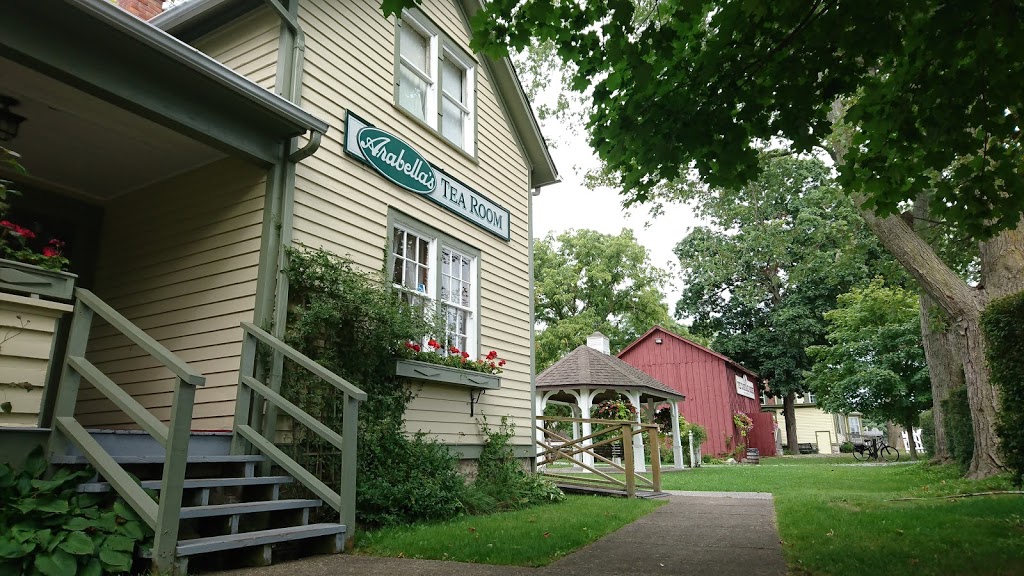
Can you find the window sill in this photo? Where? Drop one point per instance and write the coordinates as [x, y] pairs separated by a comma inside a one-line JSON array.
[[417, 370]]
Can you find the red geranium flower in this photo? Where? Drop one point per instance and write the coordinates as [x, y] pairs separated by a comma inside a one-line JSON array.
[[465, 354], [50, 251], [492, 355], [433, 344], [453, 350], [502, 363]]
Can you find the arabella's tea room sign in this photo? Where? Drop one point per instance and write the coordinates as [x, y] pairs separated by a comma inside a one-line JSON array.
[[403, 165]]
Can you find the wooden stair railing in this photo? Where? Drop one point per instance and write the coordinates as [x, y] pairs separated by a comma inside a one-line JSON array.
[[615, 431], [163, 517], [256, 427]]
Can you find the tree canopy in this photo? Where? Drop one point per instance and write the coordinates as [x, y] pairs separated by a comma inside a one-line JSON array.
[[874, 360], [585, 281], [777, 254], [933, 91]]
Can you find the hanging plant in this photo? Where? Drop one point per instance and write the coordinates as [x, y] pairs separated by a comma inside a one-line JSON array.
[[616, 409], [743, 423]]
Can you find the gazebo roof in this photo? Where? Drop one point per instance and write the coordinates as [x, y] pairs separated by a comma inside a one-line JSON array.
[[587, 367]]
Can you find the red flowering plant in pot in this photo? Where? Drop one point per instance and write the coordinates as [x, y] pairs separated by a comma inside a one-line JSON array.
[[19, 243], [436, 353]]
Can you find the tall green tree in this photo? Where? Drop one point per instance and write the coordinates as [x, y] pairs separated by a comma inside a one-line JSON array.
[[778, 253], [908, 97], [874, 360], [585, 281]]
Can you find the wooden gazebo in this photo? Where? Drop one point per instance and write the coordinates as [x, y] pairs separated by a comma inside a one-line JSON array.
[[589, 375]]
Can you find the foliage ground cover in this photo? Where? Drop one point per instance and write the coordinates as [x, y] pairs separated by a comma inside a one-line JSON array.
[[532, 537], [835, 517]]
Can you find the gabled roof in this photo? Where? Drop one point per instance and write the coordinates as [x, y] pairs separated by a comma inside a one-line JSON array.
[[727, 360], [199, 17], [588, 367]]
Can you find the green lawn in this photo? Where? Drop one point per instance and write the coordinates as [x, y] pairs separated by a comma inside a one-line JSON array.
[[532, 537], [834, 518]]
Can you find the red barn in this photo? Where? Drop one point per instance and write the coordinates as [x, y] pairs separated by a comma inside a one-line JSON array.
[[716, 387]]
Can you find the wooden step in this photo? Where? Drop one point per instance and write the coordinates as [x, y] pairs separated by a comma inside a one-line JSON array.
[[257, 538], [197, 483], [246, 508], [224, 459]]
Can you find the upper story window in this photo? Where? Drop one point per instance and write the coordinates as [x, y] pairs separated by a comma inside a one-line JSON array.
[[810, 398], [429, 267], [435, 80]]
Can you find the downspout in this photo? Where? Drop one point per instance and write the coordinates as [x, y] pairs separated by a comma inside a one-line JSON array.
[[533, 321], [272, 289]]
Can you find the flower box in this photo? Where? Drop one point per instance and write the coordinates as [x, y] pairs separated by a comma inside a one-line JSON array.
[[446, 375], [29, 280]]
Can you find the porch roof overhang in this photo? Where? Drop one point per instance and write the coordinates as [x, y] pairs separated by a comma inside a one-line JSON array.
[[104, 51]]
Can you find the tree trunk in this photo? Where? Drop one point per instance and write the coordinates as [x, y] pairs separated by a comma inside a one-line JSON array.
[[1002, 265], [944, 368], [911, 445], [894, 436], [789, 411]]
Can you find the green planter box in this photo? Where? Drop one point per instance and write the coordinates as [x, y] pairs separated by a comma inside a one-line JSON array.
[[446, 375], [18, 278]]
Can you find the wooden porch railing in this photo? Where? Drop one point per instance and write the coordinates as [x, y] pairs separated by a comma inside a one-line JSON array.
[[163, 518], [256, 427], [616, 430]]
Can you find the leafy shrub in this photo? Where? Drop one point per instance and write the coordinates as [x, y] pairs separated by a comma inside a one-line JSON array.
[[959, 427], [355, 325], [501, 482], [846, 448], [47, 528], [1004, 332], [926, 421]]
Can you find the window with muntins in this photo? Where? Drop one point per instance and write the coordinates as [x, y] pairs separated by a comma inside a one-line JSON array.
[[435, 81], [431, 269]]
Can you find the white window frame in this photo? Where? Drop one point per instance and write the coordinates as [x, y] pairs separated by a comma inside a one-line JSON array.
[[437, 242], [440, 49]]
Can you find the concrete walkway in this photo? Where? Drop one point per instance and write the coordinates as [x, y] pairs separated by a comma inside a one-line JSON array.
[[718, 533]]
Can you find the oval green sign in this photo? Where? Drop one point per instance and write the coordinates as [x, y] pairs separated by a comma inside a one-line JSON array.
[[396, 160]]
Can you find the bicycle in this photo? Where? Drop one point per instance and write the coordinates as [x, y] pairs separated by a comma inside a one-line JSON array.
[[872, 449]]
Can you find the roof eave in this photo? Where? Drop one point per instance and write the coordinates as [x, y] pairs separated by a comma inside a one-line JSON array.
[[200, 63]]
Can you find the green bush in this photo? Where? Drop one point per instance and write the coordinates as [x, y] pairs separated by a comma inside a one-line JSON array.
[[48, 528], [1004, 332], [926, 421], [355, 324], [846, 448], [959, 427], [501, 482]]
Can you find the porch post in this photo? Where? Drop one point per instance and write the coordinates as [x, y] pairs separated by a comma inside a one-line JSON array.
[[540, 402], [677, 442]]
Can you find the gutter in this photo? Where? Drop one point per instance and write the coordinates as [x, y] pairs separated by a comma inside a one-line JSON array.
[[145, 34]]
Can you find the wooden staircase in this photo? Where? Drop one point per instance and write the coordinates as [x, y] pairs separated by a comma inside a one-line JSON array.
[[212, 503], [231, 515]]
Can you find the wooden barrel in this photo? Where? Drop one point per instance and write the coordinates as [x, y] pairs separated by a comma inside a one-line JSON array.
[[753, 456]]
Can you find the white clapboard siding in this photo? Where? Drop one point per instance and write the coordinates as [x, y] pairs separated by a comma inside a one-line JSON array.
[[342, 205], [809, 420], [198, 235]]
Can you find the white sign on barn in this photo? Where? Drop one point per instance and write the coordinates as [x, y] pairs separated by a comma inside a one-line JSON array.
[[745, 387]]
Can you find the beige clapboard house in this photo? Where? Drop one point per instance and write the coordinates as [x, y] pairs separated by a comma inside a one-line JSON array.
[[190, 275], [180, 154]]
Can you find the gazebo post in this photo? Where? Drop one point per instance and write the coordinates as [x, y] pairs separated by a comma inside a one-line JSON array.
[[677, 441], [585, 398], [638, 441]]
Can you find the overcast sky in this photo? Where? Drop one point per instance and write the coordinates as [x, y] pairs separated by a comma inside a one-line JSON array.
[[571, 205]]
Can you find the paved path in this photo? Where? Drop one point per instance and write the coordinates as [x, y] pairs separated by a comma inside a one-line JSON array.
[[718, 533]]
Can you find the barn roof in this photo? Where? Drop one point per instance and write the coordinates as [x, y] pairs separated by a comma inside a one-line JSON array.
[[727, 360], [588, 367]]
